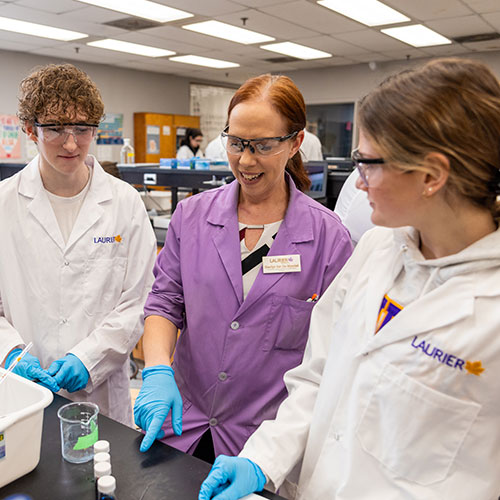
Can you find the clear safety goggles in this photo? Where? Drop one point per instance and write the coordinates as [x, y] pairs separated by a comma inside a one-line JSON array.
[[263, 146], [368, 168], [82, 133]]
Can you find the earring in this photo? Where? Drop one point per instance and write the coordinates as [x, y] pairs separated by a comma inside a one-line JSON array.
[[427, 192]]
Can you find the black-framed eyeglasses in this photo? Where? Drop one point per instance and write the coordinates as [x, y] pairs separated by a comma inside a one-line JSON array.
[[58, 133], [365, 165], [264, 146]]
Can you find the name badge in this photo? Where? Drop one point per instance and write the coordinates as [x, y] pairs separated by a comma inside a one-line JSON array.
[[281, 264]]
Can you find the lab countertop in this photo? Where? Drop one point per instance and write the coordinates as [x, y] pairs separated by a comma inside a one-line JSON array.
[[161, 472]]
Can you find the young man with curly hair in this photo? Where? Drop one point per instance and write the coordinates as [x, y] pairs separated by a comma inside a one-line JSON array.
[[77, 251]]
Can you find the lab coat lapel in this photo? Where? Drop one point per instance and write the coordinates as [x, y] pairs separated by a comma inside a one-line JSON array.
[[296, 228], [31, 186], [263, 282], [224, 218], [91, 210]]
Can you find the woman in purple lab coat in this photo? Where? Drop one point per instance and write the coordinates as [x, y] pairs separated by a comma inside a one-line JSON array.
[[239, 274]]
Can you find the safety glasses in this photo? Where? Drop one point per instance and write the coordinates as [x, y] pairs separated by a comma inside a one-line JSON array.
[[367, 167], [263, 146], [82, 133]]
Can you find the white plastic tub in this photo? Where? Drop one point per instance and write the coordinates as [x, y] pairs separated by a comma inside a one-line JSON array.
[[21, 417]]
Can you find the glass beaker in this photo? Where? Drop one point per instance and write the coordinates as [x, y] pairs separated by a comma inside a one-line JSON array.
[[79, 431]]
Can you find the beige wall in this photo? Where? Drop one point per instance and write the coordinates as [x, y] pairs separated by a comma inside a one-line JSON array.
[[123, 91], [350, 83]]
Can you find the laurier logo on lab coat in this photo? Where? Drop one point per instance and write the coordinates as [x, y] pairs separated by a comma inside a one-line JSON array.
[[108, 239]]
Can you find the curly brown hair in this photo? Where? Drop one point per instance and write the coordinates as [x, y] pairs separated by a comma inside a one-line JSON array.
[[62, 92]]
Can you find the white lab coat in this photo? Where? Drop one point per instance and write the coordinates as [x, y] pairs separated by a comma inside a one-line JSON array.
[[374, 416], [353, 208], [310, 148], [185, 153], [215, 150], [85, 297]]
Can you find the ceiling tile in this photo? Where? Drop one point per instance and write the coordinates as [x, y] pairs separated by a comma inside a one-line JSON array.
[[313, 16], [53, 6], [483, 6], [268, 25], [259, 3], [460, 26], [493, 19], [423, 10], [189, 37], [409, 53], [331, 45], [372, 40], [208, 8], [372, 57], [482, 46], [69, 21], [93, 14], [454, 49]]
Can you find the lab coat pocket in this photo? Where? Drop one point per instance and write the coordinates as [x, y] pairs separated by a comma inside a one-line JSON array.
[[103, 284], [414, 430], [288, 323]]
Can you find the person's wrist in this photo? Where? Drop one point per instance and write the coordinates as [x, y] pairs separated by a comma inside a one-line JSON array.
[[261, 478], [151, 370], [12, 356]]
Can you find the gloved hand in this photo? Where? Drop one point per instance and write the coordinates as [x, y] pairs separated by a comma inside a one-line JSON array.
[[70, 373], [29, 367], [158, 394], [231, 478]]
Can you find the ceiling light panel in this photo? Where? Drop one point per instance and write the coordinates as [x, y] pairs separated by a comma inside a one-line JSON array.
[[228, 32], [204, 61], [142, 8], [296, 50], [41, 30], [417, 35], [369, 12], [131, 48]]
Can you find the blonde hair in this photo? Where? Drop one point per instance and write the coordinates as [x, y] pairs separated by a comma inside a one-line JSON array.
[[62, 91], [450, 106]]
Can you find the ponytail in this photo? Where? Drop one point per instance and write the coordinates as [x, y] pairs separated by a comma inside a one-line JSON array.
[[295, 167]]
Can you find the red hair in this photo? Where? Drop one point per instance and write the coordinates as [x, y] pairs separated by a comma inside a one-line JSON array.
[[286, 98]]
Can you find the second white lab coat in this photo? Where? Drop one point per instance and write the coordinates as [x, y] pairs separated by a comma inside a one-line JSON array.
[[310, 148], [400, 414], [185, 153], [85, 297]]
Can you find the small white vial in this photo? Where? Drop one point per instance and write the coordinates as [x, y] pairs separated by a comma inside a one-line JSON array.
[[101, 446], [102, 457], [106, 486], [102, 469]]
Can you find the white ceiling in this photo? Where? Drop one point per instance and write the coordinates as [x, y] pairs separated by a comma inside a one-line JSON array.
[[300, 21]]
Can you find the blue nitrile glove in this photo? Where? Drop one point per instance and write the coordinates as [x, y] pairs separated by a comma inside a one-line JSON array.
[[231, 478], [158, 394], [29, 367], [70, 373]]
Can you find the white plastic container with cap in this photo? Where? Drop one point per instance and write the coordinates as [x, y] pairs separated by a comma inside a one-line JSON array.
[[101, 469], [102, 457], [106, 487], [101, 446]]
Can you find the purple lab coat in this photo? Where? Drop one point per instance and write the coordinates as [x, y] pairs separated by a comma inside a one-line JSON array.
[[231, 355]]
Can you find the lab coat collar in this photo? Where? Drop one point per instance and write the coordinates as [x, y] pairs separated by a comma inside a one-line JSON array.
[[427, 312], [31, 186], [225, 211], [295, 228]]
